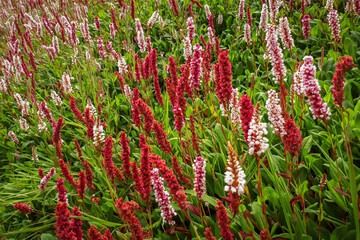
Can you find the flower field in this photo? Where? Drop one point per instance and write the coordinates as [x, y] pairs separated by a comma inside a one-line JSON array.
[[179, 119]]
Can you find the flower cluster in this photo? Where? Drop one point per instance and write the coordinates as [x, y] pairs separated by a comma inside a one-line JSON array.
[[109, 164], [125, 153], [145, 169], [274, 10], [246, 111], [140, 39], [318, 108], [339, 77], [22, 207], [62, 197], [264, 17], [247, 33], [161, 138], [257, 143], [66, 83], [144, 110], [306, 26], [200, 176], [275, 54], [274, 112], [46, 179], [153, 19], [223, 78], [127, 213], [292, 138], [285, 33], [196, 67], [13, 137], [234, 179], [191, 29], [241, 11], [187, 48], [162, 197], [334, 24], [224, 221]]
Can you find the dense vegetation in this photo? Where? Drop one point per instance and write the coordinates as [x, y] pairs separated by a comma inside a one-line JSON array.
[[179, 119]]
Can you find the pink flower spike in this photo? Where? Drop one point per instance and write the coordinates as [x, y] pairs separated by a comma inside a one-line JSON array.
[[200, 176], [162, 197], [318, 108]]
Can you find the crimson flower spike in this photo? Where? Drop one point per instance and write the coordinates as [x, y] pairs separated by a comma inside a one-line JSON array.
[[338, 80], [224, 221], [125, 154]]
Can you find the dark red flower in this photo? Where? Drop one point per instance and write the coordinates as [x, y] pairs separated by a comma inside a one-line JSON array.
[[76, 223], [62, 225], [292, 139], [125, 154], [208, 234], [41, 173], [134, 111], [246, 111], [178, 170], [89, 124], [145, 170], [22, 207], [161, 138], [109, 164], [127, 213], [75, 110], [223, 78], [339, 78], [62, 197], [223, 221], [65, 171], [144, 110]]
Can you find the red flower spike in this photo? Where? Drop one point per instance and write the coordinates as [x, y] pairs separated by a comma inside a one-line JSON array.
[[125, 154], [161, 138], [41, 173], [292, 139], [75, 110], [338, 80], [134, 111], [178, 170], [94, 234], [132, 9], [62, 197], [62, 225], [171, 180], [109, 164], [208, 234], [246, 111], [22, 207], [144, 110], [89, 124], [76, 223], [223, 221], [119, 175], [127, 213], [223, 78], [145, 169], [174, 7], [65, 171]]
